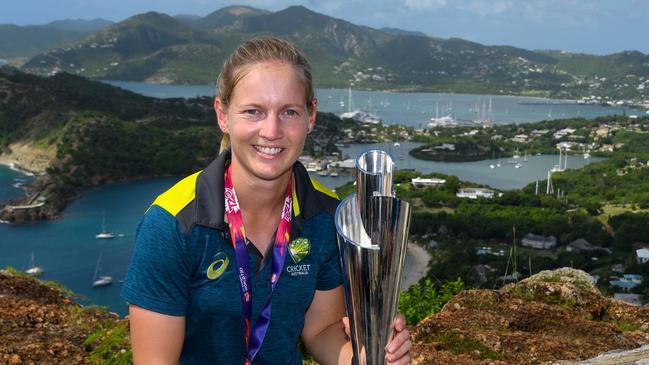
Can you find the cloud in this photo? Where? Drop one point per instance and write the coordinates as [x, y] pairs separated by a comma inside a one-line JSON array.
[[486, 8], [425, 4]]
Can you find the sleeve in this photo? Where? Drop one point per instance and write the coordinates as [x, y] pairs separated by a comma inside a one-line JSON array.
[[159, 273], [330, 274]]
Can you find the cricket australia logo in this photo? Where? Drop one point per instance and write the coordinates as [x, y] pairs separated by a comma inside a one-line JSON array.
[[299, 250], [231, 203]]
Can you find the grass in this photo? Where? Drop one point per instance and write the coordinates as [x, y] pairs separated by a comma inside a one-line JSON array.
[[110, 344], [616, 209], [457, 344], [626, 326]]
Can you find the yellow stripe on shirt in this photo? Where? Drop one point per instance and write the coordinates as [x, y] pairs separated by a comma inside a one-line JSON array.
[[178, 196]]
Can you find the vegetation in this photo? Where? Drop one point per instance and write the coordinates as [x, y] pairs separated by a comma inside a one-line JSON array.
[[110, 344], [426, 298]]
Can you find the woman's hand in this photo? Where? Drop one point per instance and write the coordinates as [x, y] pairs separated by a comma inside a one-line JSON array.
[[398, 349]]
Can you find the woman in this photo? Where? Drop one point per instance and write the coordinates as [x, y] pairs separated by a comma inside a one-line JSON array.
[[203, 291]]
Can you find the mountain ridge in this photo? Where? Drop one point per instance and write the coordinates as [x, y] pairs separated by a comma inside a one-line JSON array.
[[160, 48]]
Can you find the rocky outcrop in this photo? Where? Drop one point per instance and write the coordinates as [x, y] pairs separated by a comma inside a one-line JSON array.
[[41, 325], [553, 316]]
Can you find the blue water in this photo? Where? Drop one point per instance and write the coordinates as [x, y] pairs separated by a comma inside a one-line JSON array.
[[416, 109], [11, 182], [67, 249]]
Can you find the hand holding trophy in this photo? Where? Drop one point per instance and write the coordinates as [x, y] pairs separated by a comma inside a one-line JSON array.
[[372, 230]]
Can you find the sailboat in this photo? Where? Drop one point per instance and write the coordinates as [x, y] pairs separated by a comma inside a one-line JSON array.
[[101, 280], [104, 234], [33, 269]]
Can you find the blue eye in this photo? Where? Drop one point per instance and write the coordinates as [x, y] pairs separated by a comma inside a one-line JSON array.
[[292, 113]]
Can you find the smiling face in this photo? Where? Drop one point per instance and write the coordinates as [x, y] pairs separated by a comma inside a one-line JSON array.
[[267, 120]]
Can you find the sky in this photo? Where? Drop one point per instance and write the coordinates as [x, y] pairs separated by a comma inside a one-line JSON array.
[[587, 26]]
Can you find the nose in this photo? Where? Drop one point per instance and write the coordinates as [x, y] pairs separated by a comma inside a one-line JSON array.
[[271, 128]]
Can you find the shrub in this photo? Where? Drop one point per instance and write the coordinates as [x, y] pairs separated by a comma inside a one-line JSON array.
[[426, 298]]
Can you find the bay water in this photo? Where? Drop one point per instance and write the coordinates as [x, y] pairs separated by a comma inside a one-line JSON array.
[[416, 109]]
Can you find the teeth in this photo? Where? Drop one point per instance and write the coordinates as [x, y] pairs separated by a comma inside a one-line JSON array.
[[268, 150]]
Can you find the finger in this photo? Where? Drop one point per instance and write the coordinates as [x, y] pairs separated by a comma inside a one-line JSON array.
[[402, 361], [399, 323], [401, 351], [398, 341]]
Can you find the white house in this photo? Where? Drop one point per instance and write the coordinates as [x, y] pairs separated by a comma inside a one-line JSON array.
[[475, 193], [642, 255], [419, 182], [538, 241]]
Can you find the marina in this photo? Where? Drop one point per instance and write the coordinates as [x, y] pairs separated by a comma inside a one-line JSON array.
[[417, 109]]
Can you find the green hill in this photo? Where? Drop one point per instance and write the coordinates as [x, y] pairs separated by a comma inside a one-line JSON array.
[[28, 41], [227, 16]]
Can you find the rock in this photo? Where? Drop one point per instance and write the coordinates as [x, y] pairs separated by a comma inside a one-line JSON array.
[[39, 325], [552, 316]]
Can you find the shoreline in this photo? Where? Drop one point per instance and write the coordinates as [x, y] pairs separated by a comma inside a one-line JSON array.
[[417, 268], [15, 167]]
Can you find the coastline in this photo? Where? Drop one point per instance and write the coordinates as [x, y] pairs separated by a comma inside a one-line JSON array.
[[417, 267], [14, 167]]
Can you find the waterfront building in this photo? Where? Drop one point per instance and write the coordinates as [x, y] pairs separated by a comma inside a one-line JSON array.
[[642, 255], [538, 241], [627, 282], [581, 244], [419, 182], [475, 193]]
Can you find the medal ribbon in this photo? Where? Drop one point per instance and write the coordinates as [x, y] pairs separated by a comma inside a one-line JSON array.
[[255, 337]]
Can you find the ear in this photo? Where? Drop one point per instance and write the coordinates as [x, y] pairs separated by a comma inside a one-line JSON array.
[[221, 115], [312, 114]]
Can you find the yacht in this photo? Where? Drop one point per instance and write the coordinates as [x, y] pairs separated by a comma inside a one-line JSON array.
[[361, 116], [33, 269], [445, 121], [334, 174], [104, 234], [518, 165], [99, 281]]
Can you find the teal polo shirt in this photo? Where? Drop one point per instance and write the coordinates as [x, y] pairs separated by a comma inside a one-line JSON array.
[[183, 264]]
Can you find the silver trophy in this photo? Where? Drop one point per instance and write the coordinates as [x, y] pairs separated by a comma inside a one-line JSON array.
[[372, 230]]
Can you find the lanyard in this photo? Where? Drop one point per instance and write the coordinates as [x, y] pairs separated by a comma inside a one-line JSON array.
[[238, 235]]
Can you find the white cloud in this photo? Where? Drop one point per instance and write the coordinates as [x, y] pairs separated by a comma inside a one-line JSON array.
[[425, 4], [486, 8]]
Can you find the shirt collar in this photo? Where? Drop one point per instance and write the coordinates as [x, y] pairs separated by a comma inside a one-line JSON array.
[[210, 208]]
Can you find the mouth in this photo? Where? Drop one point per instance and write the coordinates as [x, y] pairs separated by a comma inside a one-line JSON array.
[[270, 151]]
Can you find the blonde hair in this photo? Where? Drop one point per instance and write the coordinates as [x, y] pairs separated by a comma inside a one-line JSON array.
[[255, 51]]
